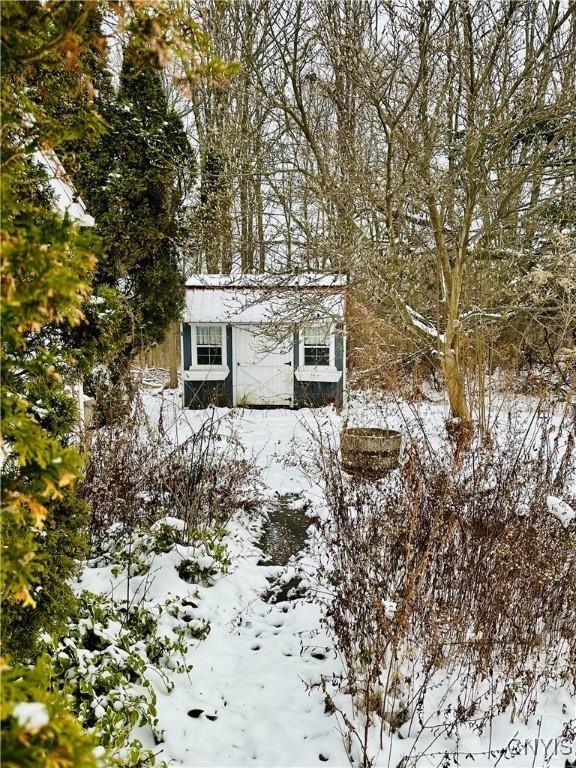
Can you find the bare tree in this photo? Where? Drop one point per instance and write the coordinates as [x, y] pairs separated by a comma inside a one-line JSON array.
[[428, 149], [482, 120]]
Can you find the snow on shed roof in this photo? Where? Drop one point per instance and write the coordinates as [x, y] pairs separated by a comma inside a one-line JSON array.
[[279, 299], [66, 198]]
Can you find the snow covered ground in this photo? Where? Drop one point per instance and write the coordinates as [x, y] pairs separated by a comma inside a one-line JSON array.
[[255, 670], [253, 696]]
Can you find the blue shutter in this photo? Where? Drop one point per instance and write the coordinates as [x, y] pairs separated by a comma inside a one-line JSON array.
[[339, 352], [186, 346], [296, 343]]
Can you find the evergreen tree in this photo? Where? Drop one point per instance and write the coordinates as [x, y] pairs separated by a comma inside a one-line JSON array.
[[140, 206], [46, 269], [133, 180], [89, 162], [53, 330]]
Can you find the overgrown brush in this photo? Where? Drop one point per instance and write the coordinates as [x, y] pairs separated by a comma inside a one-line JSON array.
[[147, 497], [454, 566], [135, 475]]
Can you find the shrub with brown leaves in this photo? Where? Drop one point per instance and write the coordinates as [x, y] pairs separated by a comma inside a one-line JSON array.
[[454, 564]]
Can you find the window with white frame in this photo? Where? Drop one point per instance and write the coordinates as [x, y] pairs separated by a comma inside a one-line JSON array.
[[208, 345], [316, 345]]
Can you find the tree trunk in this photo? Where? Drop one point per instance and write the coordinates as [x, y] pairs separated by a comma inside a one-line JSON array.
[[456, 387], [174, 353]]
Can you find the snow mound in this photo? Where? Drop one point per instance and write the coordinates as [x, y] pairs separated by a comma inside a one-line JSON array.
[[31, 715], [171, 522], [561, 510]]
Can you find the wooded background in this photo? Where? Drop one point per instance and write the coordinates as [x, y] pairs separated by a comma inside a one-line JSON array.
[[426, 149]]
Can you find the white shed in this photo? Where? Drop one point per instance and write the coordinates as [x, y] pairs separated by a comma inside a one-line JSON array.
[[264, 340]]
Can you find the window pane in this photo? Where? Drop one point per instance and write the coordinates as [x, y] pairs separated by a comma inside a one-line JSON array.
[[316, 355], [209, 335], [318, 335], [209, 345], [209, 355], [316, 345]]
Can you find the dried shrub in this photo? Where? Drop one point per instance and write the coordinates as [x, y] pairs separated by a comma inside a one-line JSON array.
[[135, 475], [457, 567], [381, 354]]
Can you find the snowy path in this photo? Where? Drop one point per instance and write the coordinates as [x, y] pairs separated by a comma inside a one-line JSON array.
[[251, 674], [249, 693]]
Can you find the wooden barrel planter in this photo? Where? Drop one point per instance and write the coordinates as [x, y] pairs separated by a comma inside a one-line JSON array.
[[370, 451]]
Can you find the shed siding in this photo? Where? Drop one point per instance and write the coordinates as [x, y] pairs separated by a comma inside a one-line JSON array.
[[315, 394], [201, 394]]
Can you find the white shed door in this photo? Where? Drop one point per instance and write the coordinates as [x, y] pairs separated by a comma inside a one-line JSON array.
[[263, 369]]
